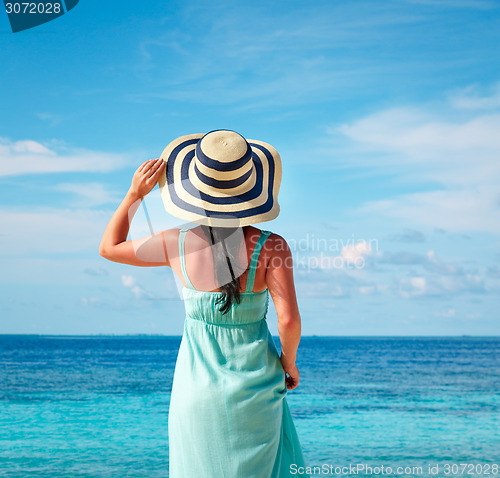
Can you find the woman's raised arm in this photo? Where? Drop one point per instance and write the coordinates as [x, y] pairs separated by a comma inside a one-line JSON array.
[[149, 251]]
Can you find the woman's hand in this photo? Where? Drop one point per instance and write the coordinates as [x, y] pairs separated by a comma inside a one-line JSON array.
[[293, 376], [146, 177]]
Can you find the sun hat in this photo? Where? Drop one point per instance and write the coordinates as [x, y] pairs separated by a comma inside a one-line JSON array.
[[221, 179]]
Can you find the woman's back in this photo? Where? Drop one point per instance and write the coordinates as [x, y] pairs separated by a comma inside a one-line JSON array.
[[273, 269], [199, 261]]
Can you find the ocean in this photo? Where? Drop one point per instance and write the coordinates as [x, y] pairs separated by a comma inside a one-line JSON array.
[[366, 406]]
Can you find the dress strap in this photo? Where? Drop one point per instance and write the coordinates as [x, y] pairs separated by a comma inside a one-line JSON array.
[[255, 257], [182, 237]]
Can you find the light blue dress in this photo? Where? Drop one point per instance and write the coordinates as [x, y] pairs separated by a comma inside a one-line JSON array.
[[228, 415]]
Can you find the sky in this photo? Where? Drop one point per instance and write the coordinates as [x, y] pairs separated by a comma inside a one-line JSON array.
[[386, 116]]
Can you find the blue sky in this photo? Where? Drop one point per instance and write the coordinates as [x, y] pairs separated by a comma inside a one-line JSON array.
[[386, 115]]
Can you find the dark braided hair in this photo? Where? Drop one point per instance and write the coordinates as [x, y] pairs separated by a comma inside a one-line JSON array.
[[225, 258]]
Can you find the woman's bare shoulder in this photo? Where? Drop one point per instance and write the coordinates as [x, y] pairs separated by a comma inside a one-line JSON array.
[[277, 243], [276, 246]]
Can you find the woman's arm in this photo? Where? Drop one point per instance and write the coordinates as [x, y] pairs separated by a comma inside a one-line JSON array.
[[149, 251], [279, 278]]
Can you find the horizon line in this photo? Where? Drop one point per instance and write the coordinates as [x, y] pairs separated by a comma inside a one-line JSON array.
[[303, 336]]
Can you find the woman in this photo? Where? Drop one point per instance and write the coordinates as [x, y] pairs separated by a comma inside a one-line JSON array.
[[228, 414]]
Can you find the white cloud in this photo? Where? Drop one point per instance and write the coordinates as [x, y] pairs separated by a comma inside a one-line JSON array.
[[89, 194], [28, 146], [352, 256], [439, 266], [448, 313], [354, 253], [471, 98], [90, 300], [411, 275], [51, 118], [429, 275], [474, 315], [419, 283], [51, 230], [31, 157], [439, 285], [130, 282], [422, 136], [337, 279], [459, 150], [367, 290], [412, 287], [456, 210]]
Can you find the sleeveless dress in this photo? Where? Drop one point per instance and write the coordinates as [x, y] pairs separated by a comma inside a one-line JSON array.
[[228, 413]]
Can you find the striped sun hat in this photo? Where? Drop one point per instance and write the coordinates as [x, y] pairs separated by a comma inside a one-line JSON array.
[[221, 179]]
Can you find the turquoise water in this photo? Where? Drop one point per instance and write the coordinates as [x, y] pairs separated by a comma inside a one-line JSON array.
[[98, 406]]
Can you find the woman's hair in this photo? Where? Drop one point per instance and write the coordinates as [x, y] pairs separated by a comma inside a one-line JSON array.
[[225, 256]]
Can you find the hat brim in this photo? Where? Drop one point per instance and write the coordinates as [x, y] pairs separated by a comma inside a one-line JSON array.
[[184, 200]]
